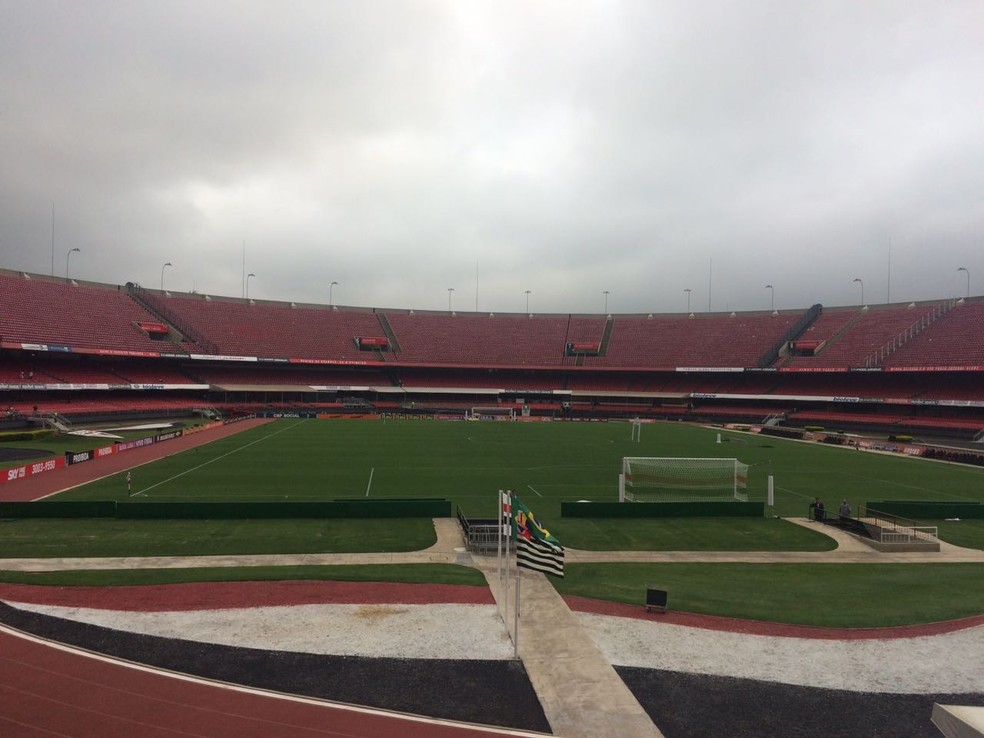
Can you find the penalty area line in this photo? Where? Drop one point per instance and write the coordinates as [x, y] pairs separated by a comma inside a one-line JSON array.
[[529, 486], [369, 486]]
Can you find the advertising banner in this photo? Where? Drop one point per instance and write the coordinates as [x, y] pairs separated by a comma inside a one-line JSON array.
[[31, 470]]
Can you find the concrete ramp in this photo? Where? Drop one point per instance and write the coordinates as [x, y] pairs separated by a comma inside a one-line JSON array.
[[581, 694]]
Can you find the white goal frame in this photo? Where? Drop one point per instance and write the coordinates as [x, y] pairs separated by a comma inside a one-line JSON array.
[[493, 412], [682, 479]]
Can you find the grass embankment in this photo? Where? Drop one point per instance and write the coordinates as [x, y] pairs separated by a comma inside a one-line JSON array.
[[87, 537], [831, 595]]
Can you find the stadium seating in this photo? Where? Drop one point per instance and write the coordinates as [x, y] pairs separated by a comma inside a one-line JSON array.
[[854, 341], [660, 365], [273, 330], [51, 312], [484, 340], [707, 340], [950, 341]]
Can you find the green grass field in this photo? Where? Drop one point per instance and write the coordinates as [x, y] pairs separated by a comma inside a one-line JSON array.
[[545, 463]]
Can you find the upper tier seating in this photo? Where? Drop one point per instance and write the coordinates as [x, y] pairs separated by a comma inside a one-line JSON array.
[[239, 328], [708, 340], [863, 334], [103, 319], [953, 340], [480, 339], [66, 314]]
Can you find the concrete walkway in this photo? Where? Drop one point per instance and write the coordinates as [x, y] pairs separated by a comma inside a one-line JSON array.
[[581, 694]]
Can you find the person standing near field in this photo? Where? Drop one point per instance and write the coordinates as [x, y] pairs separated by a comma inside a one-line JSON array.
[[816, 507], [845, 510]]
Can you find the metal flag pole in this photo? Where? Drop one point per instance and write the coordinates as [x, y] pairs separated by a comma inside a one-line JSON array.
[[516, 622], [500, 510], [505, 563]]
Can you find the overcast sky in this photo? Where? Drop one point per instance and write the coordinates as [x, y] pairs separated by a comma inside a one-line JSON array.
[[567, 148]]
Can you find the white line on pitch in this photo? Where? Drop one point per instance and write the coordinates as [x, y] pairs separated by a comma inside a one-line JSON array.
[[369, 486], [537, 493], [212, 461]]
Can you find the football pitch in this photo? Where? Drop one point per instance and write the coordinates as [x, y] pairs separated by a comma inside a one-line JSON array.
[[544, 463]]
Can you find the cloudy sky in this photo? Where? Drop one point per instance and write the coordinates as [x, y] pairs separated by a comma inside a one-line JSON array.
[[567, 148]]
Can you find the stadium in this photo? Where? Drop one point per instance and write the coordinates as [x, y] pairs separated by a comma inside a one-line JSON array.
[[169, 456]]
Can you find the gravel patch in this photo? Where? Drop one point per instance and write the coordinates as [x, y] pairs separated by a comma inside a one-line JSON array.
[[949, 662], [447, 631]]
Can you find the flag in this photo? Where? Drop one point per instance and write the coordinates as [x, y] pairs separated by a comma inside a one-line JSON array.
[[535, 548]]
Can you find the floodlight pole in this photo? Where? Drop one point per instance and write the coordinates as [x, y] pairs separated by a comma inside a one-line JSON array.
[[964, 269], [450, 290], [606, 293], [688, 291], [247, 284], [861, 282], [67, 257], [528, 301], [330, 288], [167, 264], [773, 290]]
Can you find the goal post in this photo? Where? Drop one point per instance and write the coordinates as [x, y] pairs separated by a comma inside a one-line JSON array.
[[491, 412], [677, 479]]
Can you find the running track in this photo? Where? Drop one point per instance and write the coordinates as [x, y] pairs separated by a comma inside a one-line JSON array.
[[47, 689]]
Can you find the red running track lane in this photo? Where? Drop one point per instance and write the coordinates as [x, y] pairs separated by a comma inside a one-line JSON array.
[[50, 690], [43, 485], [193, 596]]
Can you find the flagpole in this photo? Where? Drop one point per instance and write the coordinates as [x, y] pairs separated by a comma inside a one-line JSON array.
[[498, 561], [516, 625], [504, 583]]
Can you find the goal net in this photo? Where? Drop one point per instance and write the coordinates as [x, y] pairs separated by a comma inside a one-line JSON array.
[[493, 412], [664, 479]]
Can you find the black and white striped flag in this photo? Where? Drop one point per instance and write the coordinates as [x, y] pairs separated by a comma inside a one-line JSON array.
[[535, 548]]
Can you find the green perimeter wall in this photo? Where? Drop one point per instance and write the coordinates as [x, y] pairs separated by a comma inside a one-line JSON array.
[[374, 508], [662, 509], [927, 510]]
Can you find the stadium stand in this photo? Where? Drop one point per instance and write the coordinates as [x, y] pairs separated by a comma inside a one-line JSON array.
[[82, 316], [711, 340], [483, 340], [267, 329], [72, 347], [859, 338], [947, 342]]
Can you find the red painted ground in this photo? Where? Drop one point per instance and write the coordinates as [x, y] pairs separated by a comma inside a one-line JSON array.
[[225, 595], [48, 691]]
